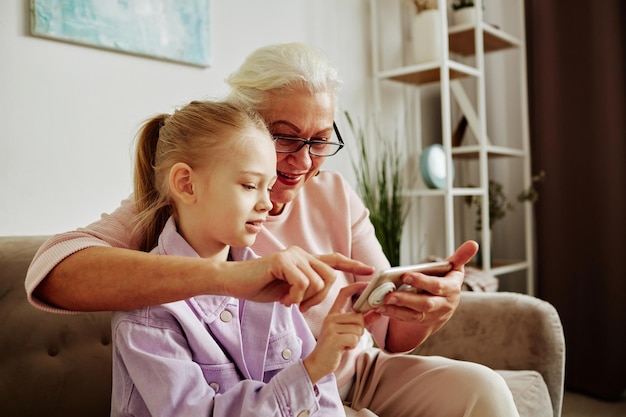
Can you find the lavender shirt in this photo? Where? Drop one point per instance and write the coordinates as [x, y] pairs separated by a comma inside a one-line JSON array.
[[215, 356]]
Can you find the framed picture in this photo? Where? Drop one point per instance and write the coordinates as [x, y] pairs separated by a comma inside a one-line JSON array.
[[171, 30]]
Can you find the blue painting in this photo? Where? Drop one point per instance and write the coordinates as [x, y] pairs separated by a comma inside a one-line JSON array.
[[173, 30]]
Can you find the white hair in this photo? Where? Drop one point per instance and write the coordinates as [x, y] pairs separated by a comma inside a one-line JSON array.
[[281, 68]]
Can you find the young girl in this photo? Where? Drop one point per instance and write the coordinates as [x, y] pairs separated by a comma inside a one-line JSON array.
[[202, 181]]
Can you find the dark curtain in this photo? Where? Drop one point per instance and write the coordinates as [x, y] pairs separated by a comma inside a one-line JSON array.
[[577, 101]]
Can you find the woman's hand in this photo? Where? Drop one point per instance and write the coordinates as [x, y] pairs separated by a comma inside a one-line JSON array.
[[415, 316], [342, 329], [290, 276]]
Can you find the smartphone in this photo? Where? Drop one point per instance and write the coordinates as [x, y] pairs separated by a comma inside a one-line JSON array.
[[390, 280]]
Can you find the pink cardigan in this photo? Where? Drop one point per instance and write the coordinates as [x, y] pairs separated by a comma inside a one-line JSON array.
[[327, 216]]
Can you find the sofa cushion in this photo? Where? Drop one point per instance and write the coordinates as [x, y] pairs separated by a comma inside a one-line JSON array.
[[530, 393], [50, 364]]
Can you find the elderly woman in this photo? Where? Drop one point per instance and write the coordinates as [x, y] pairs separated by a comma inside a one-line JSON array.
[[293, 87]]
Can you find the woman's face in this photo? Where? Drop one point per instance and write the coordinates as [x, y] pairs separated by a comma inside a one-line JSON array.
[[303, 115]]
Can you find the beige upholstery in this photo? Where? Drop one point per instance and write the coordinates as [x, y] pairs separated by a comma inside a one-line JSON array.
[[513, 332], [59, 365]]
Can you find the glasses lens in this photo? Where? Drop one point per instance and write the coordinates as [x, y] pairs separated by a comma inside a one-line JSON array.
[[324, 148], [287, 145], [317, 148]]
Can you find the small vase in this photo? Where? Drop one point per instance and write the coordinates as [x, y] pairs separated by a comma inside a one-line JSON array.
[[426, 31], [465, 15]]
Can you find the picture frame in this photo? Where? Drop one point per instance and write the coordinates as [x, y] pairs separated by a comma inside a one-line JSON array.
[[170, 30]]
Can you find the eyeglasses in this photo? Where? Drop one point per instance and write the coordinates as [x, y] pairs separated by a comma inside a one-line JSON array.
[[317, 147]]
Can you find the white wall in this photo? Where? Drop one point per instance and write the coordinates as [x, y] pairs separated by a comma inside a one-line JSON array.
[[69, 113]]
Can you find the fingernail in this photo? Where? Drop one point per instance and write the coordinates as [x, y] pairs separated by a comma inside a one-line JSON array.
[[392, 300]]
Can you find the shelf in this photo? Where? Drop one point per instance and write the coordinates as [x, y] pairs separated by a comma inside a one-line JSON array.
[[429, 72], [461, 39], [472, 152], [427, 192], [467, 87]]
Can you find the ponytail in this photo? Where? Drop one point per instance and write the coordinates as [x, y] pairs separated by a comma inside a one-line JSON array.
[[152, 207]]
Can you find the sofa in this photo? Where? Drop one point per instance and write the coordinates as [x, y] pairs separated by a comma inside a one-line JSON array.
[[60, 365]]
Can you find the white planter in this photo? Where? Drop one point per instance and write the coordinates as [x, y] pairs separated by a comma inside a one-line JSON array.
[[426, 32], [465, 15]]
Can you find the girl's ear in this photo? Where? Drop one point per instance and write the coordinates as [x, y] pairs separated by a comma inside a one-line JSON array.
[[181, 184]]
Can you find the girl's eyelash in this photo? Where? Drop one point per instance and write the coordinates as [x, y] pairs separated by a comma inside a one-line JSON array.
[[254, 187]]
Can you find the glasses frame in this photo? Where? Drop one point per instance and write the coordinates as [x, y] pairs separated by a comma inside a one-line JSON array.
[[304, 142]]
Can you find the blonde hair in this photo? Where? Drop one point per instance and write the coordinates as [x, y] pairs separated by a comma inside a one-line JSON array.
[[281, 68], [195, 134]]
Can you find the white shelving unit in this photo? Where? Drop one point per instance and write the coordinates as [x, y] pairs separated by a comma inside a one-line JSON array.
[[500, 147]]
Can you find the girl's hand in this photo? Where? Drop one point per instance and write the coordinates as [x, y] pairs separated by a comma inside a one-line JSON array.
[[290, 276], [342, 329]]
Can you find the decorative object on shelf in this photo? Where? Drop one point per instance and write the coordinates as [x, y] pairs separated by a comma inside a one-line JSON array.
[[459, 132], [463, 12], [499, 203], [433, 166], [379, 176], [462, 4], [426, 32], [422, 5], [531, 194]]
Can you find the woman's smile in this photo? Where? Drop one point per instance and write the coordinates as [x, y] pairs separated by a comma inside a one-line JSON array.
[[289, 179]]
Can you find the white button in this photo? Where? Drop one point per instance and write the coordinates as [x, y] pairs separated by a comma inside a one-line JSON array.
[[286, 354], [226, 316], [215, 386], [303, 413]]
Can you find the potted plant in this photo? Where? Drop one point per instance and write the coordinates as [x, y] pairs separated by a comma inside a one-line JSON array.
[[422, 5], [463, 12], [380, 182], [426, 31], [461, 4], [499, 203]]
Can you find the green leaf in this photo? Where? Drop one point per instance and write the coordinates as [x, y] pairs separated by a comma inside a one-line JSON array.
[[379, 176]]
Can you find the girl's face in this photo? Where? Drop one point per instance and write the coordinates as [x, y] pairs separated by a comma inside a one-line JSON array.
[[232, 196], [303, 115]]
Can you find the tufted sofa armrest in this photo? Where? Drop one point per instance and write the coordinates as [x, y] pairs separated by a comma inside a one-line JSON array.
[[505, 331], [50, 364]]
